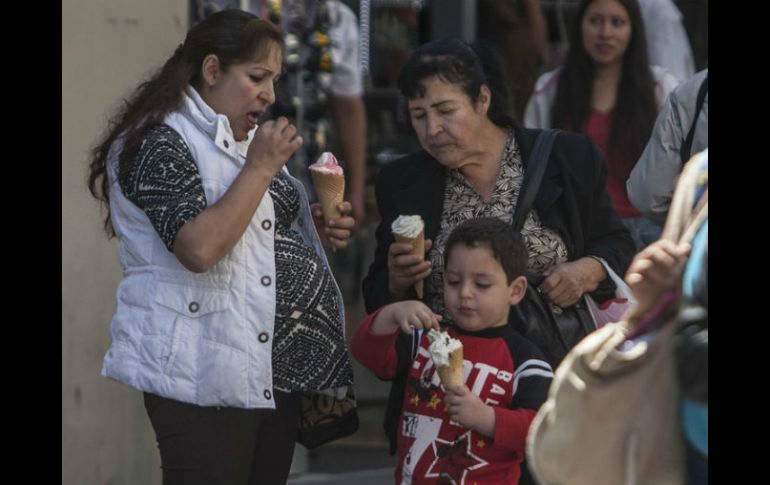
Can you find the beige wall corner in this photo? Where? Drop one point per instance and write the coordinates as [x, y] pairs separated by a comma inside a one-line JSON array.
[[108, 47]]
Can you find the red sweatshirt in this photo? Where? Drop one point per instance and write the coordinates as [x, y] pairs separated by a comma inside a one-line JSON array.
[[597, 126], [503, 368]]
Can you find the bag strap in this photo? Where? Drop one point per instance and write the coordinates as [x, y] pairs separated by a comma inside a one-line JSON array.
[[533, 176], [684, 152], [687, 211]]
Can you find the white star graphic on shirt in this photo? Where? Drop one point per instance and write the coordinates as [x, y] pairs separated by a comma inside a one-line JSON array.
[[478, 462]]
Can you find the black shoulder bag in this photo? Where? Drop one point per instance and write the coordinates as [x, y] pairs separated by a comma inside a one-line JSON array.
[[553, 329]]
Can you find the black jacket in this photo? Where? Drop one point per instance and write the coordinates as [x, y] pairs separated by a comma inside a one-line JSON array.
[[572, 200]]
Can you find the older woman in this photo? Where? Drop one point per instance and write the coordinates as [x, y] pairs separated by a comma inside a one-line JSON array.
[[227, 311], [471, 165]]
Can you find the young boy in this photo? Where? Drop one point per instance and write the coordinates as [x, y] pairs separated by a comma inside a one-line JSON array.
[[475, 432]]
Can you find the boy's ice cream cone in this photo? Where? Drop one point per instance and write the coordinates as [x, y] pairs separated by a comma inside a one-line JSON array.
[[410, 229], [452, 373], [447, 355], [329, 183]]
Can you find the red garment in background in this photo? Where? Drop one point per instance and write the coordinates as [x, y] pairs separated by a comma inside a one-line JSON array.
[[597, 126]]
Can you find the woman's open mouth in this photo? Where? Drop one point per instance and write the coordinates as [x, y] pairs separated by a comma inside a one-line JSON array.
[[252, 118]]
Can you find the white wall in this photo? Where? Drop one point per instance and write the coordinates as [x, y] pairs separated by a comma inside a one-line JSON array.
[[108, 47]]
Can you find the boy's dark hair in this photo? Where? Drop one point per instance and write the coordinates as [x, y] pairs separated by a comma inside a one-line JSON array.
[[507, 245]]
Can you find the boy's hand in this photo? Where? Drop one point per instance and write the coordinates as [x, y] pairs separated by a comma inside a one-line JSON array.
[[467, 409], [406, 315], [412, 314]]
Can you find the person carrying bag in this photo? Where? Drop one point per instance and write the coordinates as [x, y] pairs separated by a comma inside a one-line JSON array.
[[612, 414], [555, 330]]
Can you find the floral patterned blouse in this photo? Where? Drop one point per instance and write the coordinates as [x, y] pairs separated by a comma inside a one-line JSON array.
[[462, 202]]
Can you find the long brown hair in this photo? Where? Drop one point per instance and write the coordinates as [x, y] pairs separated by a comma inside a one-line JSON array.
[[234, 36], [635, 110]]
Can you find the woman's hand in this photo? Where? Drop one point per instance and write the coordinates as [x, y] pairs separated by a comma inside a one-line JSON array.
[[273, 143], [204, 241], [336, 233], [407, 316], [566, 283], [469, 411], [655, 270], [404, 269]]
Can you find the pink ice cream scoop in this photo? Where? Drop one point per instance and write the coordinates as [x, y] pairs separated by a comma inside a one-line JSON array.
[[327, 163], [329, 183]]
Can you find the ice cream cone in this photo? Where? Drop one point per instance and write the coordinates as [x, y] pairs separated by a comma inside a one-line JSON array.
[[330, 189], [418, 248], [453, 373]]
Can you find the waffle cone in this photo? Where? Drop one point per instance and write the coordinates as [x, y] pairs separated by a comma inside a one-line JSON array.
[[418, 249], [452, 373], [330, 189]]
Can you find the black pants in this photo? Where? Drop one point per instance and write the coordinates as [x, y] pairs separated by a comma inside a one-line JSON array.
[[224, 446]]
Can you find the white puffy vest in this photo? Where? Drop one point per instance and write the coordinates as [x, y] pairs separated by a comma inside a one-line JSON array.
[[200, 338]]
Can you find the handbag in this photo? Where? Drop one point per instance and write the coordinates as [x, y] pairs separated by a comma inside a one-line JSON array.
[[613, 309], [612, 413], [611, 416], [552, 329], [325, 417]]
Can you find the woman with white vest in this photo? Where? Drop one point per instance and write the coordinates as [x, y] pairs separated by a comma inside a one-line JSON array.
[[227, 312]]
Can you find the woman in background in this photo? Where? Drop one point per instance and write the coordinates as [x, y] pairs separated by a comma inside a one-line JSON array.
[[607, 90]]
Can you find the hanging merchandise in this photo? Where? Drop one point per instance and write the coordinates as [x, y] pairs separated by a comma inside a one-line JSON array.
[[303, 96]]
